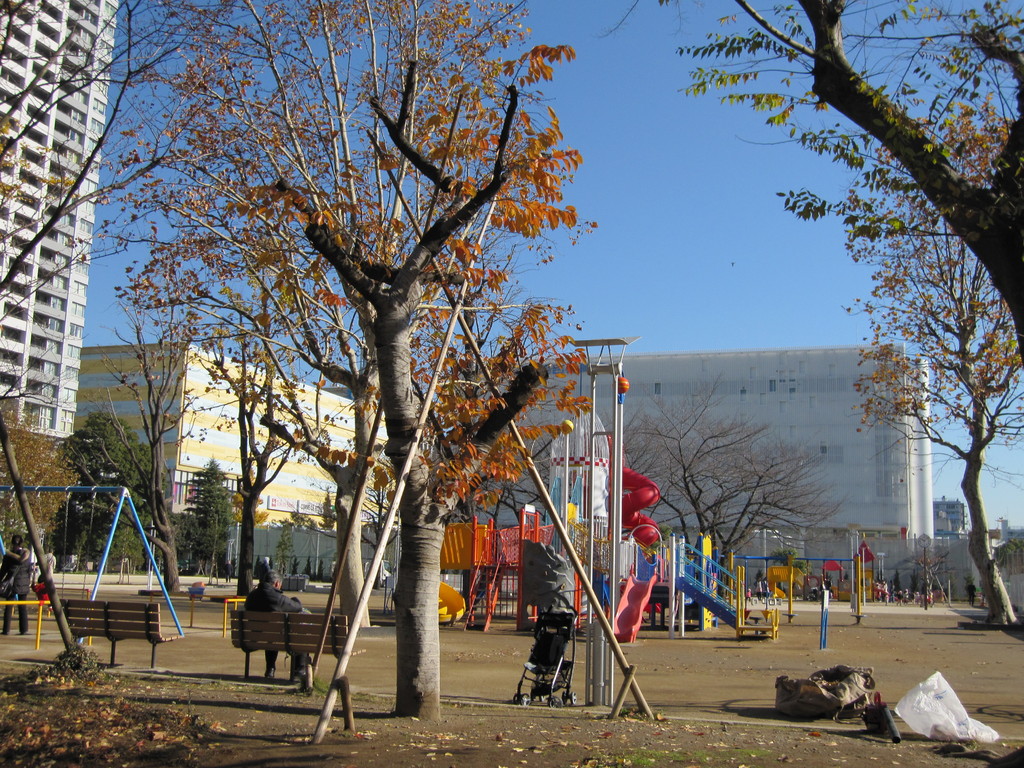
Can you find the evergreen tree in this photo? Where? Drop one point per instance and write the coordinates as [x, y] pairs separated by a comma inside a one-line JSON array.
[[283, 551], [100, 451], [207, 518]]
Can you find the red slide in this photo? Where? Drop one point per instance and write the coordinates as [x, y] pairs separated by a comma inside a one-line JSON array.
[[642, 493]]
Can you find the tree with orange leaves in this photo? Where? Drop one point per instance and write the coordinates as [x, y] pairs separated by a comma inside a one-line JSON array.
[[350, 171], [942, 336]]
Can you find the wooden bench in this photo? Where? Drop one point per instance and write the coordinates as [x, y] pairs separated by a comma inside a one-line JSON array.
[[117, 620], [292, 633]]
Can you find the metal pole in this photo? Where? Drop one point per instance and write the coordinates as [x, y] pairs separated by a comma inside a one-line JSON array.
[[823, 640], [674, 554], [616, 570], [596, 642]]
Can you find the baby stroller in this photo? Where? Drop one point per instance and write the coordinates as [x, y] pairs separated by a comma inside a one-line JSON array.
[[549, 669]]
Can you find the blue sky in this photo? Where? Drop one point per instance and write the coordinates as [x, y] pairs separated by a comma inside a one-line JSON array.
[[694, 250]]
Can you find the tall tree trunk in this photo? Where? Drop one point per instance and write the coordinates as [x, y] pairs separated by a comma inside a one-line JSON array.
[[418, 690], [246, 545], [1000, 609], [351, 583]]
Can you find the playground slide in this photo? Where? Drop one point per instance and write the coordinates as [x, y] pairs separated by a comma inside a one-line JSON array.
[[450, 605], [630, 614], [643, 493]]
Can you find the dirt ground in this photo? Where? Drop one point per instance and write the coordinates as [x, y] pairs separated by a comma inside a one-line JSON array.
[[713, 696]]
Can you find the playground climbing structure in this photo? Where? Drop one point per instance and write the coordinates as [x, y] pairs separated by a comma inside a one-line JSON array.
[[718, 591], [494, 559]]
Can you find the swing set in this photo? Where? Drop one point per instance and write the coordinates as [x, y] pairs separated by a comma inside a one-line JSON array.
[[123, 496]]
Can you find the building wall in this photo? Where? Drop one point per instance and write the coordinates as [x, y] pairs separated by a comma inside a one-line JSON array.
[[44, 312], [950, 517], [880, 480], [208, 429]]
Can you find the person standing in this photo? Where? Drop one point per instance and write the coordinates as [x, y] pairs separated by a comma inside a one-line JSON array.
[[16, 560], [971, 592], [268, 597], [261, 569]]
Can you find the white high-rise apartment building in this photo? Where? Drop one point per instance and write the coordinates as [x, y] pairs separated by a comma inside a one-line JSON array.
[[52, 83]]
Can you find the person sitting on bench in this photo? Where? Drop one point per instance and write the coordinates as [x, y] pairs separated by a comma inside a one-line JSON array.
[[268, 597]]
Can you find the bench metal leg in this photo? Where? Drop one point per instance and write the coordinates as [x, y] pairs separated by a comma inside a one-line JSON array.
[[152, 656], [113, 651], [247, 665]]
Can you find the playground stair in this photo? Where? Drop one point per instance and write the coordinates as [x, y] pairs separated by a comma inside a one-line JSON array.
[[484, 587], [706, 598], [709, 584]]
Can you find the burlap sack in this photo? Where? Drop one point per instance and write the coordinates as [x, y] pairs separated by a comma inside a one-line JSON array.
[[827, 693]]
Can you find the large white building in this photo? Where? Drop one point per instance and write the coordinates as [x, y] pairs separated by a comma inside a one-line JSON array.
[[54, 109], [880, 480]]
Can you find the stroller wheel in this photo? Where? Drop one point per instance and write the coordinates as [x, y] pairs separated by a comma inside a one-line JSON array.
[[521, 699], [554, 702], [569, 699]]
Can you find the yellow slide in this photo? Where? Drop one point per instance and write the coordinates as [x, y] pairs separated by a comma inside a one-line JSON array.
[[450, 605]]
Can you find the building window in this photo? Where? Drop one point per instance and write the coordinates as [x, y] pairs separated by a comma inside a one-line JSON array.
[[743, 394], [771, 385], [657, 387], [75, 331], [43, 416], [44, 390]]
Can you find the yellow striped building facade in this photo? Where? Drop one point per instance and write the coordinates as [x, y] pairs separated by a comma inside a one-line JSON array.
[[208, 428]]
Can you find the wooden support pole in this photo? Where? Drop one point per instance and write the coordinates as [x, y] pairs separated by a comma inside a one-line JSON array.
[[627, 683]]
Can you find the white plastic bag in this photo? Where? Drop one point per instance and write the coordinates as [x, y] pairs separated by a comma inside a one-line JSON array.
[[932, 709]]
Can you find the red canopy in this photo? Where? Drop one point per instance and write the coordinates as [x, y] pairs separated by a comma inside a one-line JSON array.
[[831, 565]]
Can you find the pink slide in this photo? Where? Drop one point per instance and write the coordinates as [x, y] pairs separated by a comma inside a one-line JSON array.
[[643, 493], [630, 614]]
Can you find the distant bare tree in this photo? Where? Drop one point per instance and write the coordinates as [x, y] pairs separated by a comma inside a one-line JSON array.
[[723, 475]]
